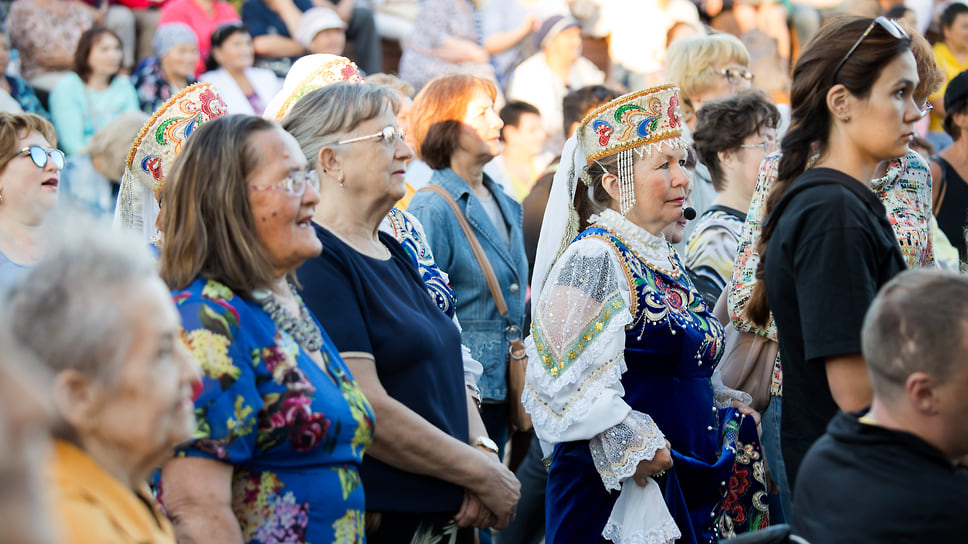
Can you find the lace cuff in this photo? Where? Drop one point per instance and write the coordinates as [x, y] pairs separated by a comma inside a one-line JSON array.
[[618, 450], [640, 516]]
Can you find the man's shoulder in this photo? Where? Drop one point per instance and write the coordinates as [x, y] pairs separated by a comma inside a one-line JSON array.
[[860, 479]]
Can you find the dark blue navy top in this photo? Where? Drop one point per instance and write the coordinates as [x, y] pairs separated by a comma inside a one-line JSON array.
[[381, 307]]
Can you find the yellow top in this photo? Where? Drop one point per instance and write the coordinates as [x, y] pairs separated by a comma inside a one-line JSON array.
[[95, 508], [947, 61]]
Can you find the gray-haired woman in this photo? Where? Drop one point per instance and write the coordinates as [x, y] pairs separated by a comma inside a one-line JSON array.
[[400, 346], [122, 382]]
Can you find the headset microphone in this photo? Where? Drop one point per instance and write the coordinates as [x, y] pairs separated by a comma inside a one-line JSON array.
[[689, 213]]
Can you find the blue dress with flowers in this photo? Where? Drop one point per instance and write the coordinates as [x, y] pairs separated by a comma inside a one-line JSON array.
[[294, 436]]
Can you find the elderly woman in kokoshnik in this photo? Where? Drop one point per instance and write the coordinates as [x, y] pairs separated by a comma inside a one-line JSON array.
[[623, 349], [153, 153]]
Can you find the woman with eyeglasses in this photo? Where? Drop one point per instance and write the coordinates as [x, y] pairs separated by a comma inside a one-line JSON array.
[[30, 166], [282, 423], [830, 241], [229, 67], [432, 471], [705, 68], [732, 138], [902, 184]]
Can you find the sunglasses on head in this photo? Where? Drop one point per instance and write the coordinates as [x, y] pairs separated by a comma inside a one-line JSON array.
[[39, 156], [890, 25]]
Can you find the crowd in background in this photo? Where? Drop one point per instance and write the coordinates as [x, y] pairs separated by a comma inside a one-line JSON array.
[[463, 271]]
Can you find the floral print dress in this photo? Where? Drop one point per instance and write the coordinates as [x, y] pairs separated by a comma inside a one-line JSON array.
[[294, 436]]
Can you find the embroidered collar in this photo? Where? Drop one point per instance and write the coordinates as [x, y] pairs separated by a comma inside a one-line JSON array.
[[654, 250]]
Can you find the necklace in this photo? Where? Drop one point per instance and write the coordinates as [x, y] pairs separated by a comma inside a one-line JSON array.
[[303, 330]]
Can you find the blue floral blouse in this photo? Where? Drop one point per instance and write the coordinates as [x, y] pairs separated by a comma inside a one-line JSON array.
[[294, 436]]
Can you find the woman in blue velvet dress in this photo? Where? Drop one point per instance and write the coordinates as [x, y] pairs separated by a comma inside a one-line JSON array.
[[623, 349]]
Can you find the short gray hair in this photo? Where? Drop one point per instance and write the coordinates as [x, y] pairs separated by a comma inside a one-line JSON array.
[[917, 323], [334, 109], [68, 311]]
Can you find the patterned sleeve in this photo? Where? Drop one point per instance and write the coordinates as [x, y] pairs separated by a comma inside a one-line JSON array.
[[226, 410], [747, 257], [710, 254], [576, 360]]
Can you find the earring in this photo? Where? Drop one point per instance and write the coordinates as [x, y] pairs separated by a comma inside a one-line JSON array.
[[847, 119], [340, 179]]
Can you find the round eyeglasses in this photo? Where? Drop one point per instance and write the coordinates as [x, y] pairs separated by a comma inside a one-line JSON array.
[[39, 156], [295, 184]]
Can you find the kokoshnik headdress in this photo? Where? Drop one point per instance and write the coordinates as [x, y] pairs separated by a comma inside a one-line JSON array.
[[637, 122], [308, 74], [640, 123], [154, 151]]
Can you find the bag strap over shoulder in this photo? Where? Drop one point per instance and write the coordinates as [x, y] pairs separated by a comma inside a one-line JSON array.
[[475, 244]]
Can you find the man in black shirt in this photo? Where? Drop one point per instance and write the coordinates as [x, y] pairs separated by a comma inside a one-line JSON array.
[[890, 474]]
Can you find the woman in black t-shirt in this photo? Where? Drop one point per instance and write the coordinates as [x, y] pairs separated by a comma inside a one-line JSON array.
[[830, 244]]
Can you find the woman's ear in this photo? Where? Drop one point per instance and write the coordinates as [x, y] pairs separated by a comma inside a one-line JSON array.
[[839, 102], [328, 160], [77, 399], [610, 184]]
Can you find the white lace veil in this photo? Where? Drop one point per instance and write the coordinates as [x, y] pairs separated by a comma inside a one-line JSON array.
[[560, 224]]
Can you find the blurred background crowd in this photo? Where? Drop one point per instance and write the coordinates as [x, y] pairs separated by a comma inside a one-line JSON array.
[[284, 171]]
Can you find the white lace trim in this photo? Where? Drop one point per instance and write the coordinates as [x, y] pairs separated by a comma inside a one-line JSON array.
[[654, 249], [666, 533], [558, 415], [618, 450], [640, 516], [600, 348]]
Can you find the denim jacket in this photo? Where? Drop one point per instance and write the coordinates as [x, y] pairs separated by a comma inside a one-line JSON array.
[[483, 327]]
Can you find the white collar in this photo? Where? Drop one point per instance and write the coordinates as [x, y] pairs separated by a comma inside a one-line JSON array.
[[652, 249]]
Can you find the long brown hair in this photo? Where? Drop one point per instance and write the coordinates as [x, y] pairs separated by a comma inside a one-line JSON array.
[[810, 126], [207, 219]]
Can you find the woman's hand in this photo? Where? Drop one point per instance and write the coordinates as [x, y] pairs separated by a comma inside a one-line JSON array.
[[661, 462], [499, 490], [473, 513], [746, 409]]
